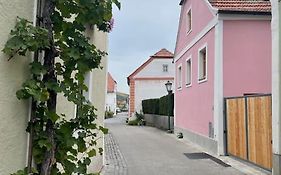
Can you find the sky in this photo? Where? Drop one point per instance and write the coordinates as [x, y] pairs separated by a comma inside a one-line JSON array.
[[141, 28]]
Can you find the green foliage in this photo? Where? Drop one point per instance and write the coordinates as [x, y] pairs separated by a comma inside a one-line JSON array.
[[150, 106], [25, 172], [108, 114], [75, 139], [139, 116], [160, 106], [166, 107], [133, 122], [25, 37], [138, 121]]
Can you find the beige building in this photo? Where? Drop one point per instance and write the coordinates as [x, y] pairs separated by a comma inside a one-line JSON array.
[[14, 114]]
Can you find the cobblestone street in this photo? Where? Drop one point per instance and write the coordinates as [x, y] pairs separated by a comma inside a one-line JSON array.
[[134, 150], [115, 162]]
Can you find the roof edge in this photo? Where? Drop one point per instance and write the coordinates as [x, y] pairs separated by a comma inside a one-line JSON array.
[[162, 56], [181, 2], [139, 69], [243, 12]]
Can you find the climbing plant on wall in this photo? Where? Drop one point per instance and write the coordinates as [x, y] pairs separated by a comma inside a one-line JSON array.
[[60, 145]]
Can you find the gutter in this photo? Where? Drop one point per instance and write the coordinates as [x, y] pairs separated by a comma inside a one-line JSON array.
[[244, 12]]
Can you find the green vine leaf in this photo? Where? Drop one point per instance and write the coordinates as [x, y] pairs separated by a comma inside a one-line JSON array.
[[104, 130], [118, 4], [66, 56], [37, 68], [25, 38], [53, 116], [92, 153]]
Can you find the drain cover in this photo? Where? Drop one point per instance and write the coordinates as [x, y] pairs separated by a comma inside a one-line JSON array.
[[197, 155], [201, 155]]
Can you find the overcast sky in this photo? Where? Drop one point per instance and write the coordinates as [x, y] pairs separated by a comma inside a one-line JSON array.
[[141, 29]]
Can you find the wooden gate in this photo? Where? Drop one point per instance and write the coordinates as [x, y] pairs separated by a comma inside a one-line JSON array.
[[249, 129]]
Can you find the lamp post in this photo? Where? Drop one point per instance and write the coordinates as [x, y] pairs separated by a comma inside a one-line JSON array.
[[169, 90]]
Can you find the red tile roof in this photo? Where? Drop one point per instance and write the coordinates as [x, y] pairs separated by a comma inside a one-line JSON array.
[[111, 83], [242, 5], [163, 53]]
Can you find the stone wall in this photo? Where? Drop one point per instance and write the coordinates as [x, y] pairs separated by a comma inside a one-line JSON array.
[[159, 121]]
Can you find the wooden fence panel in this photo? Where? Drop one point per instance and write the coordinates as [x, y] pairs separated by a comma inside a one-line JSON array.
[[236, 127], [260, 131]]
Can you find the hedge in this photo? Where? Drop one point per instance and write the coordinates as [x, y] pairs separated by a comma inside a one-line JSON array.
[[159, 106], [150, 106], [166, 107]]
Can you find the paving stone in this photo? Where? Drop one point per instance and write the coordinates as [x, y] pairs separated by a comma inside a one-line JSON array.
[[114, 160]]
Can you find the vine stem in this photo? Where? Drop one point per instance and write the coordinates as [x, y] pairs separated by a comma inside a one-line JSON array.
[[49, 62]]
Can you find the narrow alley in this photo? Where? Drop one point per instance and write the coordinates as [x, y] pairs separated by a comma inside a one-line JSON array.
[[138, 150]]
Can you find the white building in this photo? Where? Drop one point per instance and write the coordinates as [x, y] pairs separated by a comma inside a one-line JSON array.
[[148, 80], [111, 96]]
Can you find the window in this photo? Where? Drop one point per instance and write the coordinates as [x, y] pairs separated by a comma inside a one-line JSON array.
[[188, 21], [179, 77], [165, 67], [202, 64], [188, 72]]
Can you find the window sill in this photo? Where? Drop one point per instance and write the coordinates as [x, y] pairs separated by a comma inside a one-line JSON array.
[[188, 85], [187, 33], [202, 80], [179, 88]]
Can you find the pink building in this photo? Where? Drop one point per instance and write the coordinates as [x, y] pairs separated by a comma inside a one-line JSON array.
[[223, 50]]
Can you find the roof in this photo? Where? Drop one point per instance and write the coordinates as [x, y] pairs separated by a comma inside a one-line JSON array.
[[111, 83], [163, 53], [240, 6]]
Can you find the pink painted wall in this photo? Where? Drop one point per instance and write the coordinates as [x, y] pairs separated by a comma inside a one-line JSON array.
[[246, 57], [194, 105], [201, 17]]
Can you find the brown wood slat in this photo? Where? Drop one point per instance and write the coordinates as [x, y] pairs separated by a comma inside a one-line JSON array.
[[260, 131], [236, 127]]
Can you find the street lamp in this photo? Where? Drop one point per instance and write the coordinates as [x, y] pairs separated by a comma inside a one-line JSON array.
[[169, 87], [169, 90]]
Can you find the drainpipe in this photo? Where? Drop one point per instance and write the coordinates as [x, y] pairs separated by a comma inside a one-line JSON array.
[[276, 88]]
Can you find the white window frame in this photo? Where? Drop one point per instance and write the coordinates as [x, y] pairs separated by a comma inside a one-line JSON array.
[[165, 65], [205, 46], [179, 75], [187, 60], [187, 19]]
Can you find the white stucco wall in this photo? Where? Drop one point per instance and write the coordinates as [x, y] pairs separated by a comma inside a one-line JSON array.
[[147, 89], [155, 69], [150, 81], [96, 82], [98, 93], [111, 102], [13, 112]]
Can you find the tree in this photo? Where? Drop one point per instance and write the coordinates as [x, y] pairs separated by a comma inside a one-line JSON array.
[[61, 146]]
